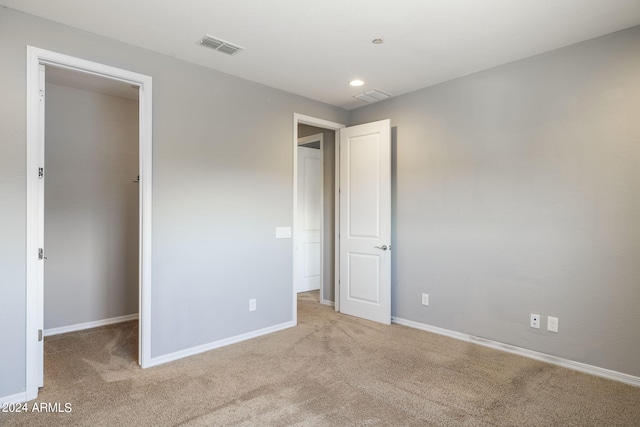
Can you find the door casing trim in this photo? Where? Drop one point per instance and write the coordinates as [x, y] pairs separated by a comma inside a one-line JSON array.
[[325, 124], [35, 219]]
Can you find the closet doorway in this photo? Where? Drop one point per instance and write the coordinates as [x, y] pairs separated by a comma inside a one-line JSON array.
[[91, 228], [92, 219]]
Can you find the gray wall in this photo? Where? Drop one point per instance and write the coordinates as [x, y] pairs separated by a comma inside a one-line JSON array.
[[329, 208], [91, 207], [517, 191], [222, 158]]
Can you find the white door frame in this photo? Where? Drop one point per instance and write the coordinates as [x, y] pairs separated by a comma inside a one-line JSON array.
[[35, 200], [319, 137], [325, 124]]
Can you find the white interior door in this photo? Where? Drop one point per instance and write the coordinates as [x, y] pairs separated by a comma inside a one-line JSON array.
[[308, 235], [365, 221]]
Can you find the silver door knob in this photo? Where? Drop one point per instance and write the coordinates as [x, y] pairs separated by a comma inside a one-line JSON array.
[[383, 247]]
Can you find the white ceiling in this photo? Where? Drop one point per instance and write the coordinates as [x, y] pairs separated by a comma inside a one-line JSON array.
[[315, 47]]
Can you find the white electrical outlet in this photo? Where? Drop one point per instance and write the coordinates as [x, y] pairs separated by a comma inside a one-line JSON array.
[[535, 321], [425, 299], [252, 305], [552, 324]]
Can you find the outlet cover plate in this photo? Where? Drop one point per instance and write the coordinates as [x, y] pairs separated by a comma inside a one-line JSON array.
[[252, 305], [283, 232], [425, 299], [535, 321], [552, 324]]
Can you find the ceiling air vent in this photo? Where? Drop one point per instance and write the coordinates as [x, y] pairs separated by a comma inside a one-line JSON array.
[[373, 96], [220, 45]]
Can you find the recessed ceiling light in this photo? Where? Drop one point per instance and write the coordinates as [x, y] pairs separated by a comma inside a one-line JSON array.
[[356, 82], [377, 41]]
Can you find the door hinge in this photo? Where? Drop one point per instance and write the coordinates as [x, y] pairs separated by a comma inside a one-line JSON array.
[[41, 95], [40, 173], [40, 253], [39, 335]]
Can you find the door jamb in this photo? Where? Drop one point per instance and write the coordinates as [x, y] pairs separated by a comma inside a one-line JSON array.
[[34, 238], [325, 124]]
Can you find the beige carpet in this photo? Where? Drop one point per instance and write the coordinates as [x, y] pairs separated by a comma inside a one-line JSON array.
[[330, 370]]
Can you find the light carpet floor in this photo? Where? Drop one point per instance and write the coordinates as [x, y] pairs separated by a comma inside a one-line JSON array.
[[330, 370]]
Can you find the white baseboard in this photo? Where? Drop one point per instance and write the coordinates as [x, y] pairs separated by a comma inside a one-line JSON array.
[[327, 302], [14, 398], [89, 325], [554, 360], [155, 361]]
